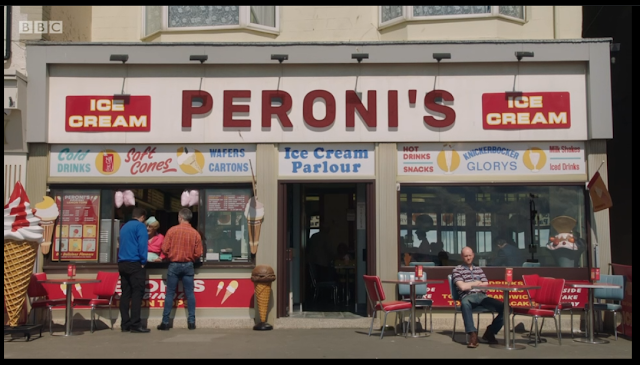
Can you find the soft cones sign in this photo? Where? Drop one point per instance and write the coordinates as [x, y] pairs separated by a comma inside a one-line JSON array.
[[599, 193]]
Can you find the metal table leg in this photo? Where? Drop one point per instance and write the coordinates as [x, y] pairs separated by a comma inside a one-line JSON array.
[[591, 339], [507, 327]]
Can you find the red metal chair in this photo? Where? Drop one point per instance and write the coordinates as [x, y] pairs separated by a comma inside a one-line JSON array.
[[105, 291], [533, 280], [39, 298], [548, 297], [376, 296]]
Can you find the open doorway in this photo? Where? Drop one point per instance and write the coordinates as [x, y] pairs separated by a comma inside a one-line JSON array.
[[324, 247]]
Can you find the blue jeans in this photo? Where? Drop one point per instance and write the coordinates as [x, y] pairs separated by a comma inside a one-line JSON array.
[[473, 300], [180, 271]]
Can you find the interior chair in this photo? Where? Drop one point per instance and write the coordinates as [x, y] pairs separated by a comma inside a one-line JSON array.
[[39, 298], [327, 284], [530, 264], [548, 297], [420, 290], [532, 279], [104, 293], [376, 295], [458, 307], [607, 295], [427, 263]]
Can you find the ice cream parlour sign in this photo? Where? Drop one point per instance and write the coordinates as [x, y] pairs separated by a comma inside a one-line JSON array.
[[303, 160], [533, 158], [151, 160]]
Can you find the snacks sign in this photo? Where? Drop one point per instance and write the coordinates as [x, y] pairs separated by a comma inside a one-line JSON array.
[[108, 113]]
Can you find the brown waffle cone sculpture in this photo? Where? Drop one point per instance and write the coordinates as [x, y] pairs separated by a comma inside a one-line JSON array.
[[262, 277], [19, 258]]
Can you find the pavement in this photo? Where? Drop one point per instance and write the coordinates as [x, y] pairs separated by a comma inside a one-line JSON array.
[[298, 343]]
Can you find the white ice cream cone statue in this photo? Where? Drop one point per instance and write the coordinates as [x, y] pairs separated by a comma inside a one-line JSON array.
[[231, 288], [262, 277], [22, 235], [220, 287], [254, 212]]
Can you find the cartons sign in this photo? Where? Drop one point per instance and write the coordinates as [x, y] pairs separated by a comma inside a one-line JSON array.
[[110, 113]]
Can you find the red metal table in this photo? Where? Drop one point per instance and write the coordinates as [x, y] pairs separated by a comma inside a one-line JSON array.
[[69, 306]]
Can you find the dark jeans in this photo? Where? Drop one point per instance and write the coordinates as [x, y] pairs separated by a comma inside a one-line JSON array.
[[180, 271], [132, 278], [473, 300]]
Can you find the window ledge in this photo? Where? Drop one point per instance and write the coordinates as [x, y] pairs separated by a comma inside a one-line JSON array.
[[439, 18], [213, 29], [54, 268]]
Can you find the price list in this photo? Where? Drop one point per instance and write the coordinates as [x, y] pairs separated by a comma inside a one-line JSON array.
[[226, 203]]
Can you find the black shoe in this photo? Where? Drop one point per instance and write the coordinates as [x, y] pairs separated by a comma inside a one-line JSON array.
[[191, 326], [126, 329], [163, 327], [140, 330], [490, 337]]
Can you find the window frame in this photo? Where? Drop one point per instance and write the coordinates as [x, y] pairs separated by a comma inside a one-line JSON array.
[[244, 22], [407, 16]]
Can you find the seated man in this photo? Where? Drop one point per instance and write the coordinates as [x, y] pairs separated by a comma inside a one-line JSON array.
[[464, 277]]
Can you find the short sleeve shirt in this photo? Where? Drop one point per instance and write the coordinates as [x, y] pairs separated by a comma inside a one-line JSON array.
[[466, 275]]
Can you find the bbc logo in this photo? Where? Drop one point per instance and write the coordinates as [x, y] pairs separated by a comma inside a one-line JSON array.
[[40, 27]]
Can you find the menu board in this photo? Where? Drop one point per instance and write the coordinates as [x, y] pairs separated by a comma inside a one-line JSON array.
[[226, 203], [76, 233]]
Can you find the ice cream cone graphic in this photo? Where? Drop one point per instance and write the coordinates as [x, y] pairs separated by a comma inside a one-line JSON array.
[[22, 235], [188, 158], [254, 212], [231, 288], [48, 212], [220, 287], [79, 289]]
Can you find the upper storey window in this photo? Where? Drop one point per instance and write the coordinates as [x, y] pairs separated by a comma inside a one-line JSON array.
[[390, 15], [190, 18]]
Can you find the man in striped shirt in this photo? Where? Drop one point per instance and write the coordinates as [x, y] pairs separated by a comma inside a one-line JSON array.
[[182, 246], [464, 277]]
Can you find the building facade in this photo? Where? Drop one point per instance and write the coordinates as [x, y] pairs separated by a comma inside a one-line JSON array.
[[400, 132]]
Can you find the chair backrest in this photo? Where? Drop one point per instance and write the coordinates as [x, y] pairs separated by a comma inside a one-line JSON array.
[[550, 291], [426, 263], [530, 264], [531, 279], [374, 289], [107, 285], [608, 293], [454, 291], [36, 289], [404, 289]]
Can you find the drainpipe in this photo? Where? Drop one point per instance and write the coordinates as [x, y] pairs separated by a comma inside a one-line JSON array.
[[555, 22]]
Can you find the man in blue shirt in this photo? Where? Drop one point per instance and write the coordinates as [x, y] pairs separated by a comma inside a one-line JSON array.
[[132, 257]]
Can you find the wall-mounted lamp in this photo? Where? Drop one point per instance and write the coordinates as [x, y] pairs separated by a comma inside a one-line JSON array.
[[520, 55], [441, 56], [119, 57], [198, 57], [359, 56], [280, 57]]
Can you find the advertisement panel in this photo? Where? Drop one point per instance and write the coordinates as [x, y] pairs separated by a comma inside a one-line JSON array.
[[304, 160], [151, 160], [76, 233], [496, 158]]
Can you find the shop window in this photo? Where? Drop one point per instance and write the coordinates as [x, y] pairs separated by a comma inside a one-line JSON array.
[[175, 18], [390, 15], [447, 218]]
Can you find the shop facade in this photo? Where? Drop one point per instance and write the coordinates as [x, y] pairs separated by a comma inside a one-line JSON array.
[[386, 150]]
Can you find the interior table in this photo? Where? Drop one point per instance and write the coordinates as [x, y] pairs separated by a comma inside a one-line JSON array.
[[590, 287], [412, 285], [68, 321], [345, 272], [506, 289]]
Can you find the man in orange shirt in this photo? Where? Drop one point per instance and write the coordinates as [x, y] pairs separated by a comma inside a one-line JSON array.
[[182, 246]]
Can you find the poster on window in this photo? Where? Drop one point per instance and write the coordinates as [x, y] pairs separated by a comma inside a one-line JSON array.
[[76, 234]]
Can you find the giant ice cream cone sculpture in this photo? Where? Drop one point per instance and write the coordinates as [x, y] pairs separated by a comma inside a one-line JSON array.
[[22, 235], [262, 277], [48, 212], [254, 212]]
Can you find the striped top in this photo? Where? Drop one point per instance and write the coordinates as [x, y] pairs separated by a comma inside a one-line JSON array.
[[182, 243], [465, 274]]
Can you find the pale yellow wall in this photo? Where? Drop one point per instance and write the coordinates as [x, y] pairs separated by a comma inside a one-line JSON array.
[[76, 23], [347, 24]]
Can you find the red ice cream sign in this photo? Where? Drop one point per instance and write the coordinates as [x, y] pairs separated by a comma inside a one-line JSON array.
[[540, 110], [108, 113]]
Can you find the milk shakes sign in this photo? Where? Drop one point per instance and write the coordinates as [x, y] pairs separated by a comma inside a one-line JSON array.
[[108, 113]]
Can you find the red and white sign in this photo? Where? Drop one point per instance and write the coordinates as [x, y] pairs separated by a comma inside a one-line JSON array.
[[76, 234], [540, 110], [108, 113]]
